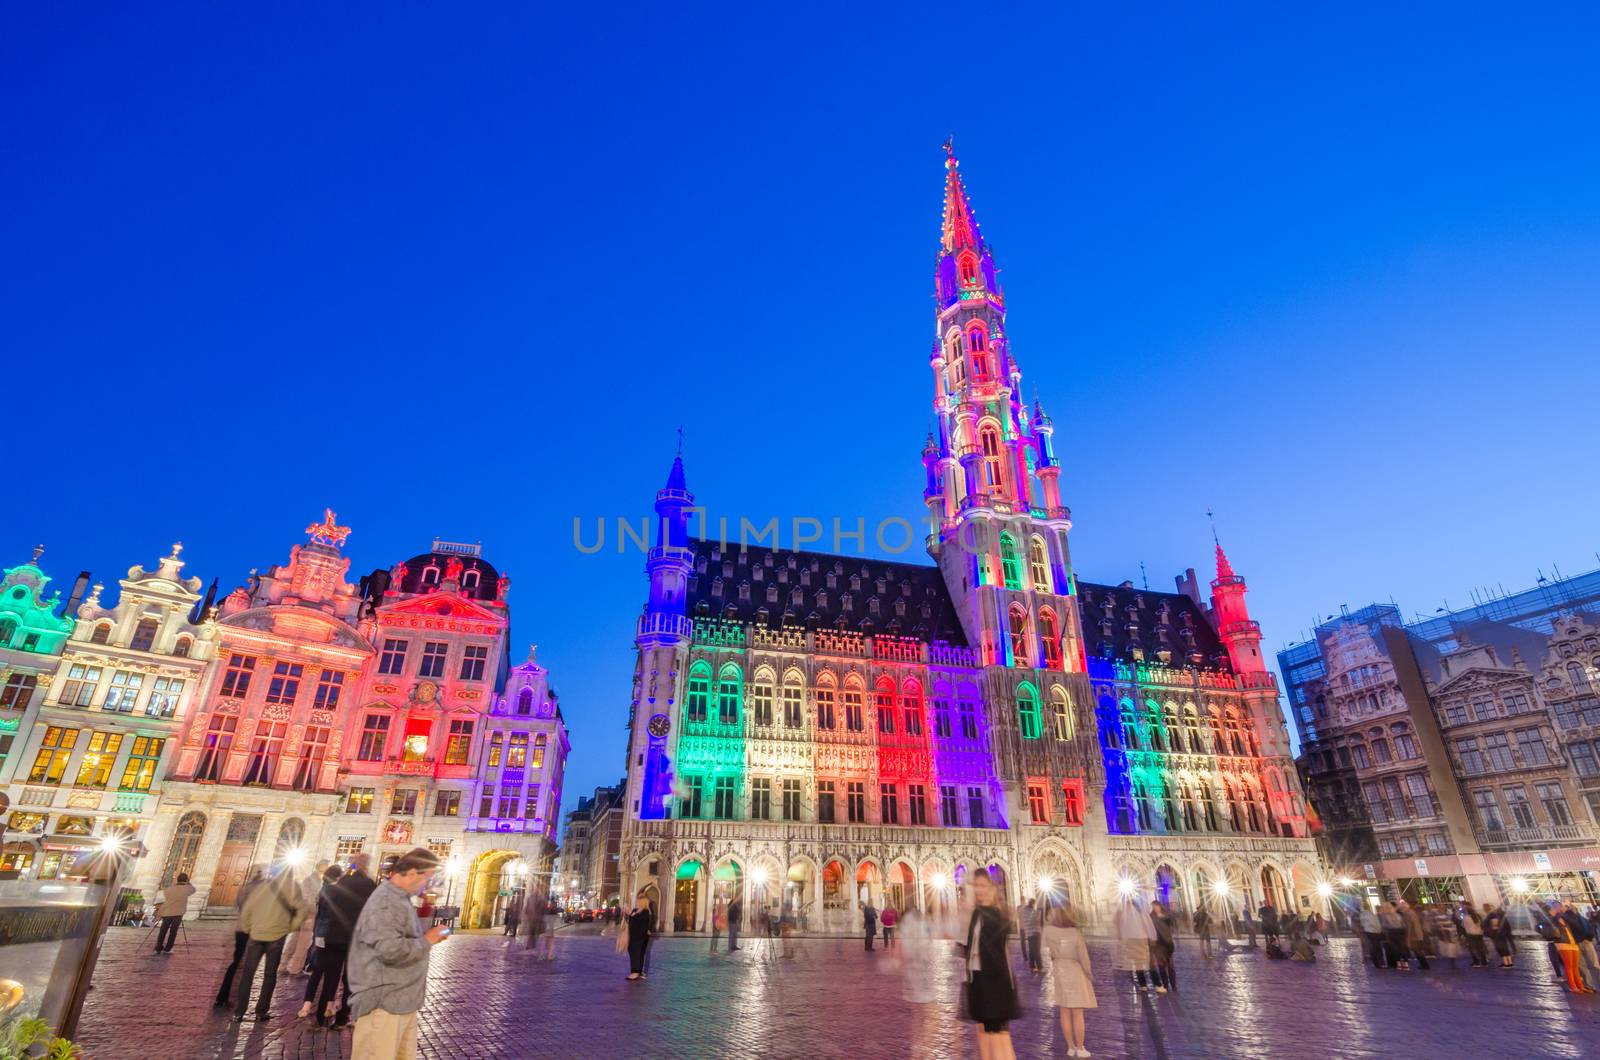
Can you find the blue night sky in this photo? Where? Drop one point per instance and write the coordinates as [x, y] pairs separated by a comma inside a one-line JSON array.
[[462, 273]]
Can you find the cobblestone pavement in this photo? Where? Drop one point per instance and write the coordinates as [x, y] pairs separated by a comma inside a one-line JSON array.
[[835, 1000]]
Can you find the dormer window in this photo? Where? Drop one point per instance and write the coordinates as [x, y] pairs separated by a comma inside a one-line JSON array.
[[144, 634], [430, 575], [181, 648], [101, 634], [471, 579]]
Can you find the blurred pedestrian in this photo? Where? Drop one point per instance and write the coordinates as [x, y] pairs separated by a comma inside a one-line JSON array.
[[1417, 942], [1135, 932], [297, 950], [1269, 920], [320, 926], [641, 923], [1202, 928], [1470, 926], [869, 923], [991, 990], [1162, 948], [174, 905], [389, 961], [887, 920], [1372, 936], [1249, 925], [241, 937], [1072, 975], [349, 898], [552, 924], [1032, 932], [1394, 937], [719, 922], [513, 918], [271, 913], [735, 921], [918, 956], [1578, 930], [1497, 927]]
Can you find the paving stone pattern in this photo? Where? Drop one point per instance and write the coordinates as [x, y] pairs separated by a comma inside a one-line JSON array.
[[835, 1000]]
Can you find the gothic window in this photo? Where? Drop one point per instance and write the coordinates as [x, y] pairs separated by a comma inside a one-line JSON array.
[[989, 441], [793, 716], [697, 705], [761, 698], [1050, 637], [911, 705], [1061, 710], [1019, 636], [884, 704], [967, 267], [1010, 566], [825, 702], [1028, 713], [853, 719], [982, 365], [1039, 564], [728, 695]]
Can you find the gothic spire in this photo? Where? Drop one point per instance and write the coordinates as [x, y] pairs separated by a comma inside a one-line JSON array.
[[1224, 568], [960, 229]]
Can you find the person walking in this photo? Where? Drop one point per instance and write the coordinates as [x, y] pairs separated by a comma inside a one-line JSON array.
[[1202, 928], [241, 938], [389, 961], [513, 918], [1417, 944], [1032, 933], [991, 989], [552, 924], [1394, 937], [297, 948], [349, 898], [1162, 948], [735, 922], [1249, 925], [1372, 935], [320, 966], [869, 923], [889, 918], [1135, 932], [719, 922], [1497, 927], [641, 922], [174, 904], [1269, 921], [270, 914], [1072, 975], [1470, 925]]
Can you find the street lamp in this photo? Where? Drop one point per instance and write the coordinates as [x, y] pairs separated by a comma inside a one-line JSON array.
[[1127, 887], [1519, 885], [1325, 890]]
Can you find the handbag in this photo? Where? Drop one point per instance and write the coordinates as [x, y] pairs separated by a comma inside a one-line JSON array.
[[622, 937]]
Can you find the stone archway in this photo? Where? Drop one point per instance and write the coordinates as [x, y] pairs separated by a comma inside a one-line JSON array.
[[900, 889], [488, 891], [689, 887]]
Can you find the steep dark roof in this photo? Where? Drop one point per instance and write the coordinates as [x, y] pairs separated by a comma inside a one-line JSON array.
[[1118, 618], [488, 577], [835, 592]]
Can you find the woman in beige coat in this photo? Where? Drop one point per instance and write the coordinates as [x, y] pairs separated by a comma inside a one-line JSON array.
[[1071, 974]]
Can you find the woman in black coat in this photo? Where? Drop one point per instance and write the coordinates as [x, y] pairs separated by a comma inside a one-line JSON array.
[[991, 990], [640, 923]]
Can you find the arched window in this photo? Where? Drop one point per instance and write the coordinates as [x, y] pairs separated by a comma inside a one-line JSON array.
[[1039, 564], [1019, 636], [1380, 747], [102, 633], [1061, 709], [1010, 566], [967, 266], [911, 707], [1578, 676], [1191, 725], [854, 718], [541, 743], [1050, 637], [989, 441], [982, 365], [883, 704], [471, 579], [525, 702], [1130, 727], [976, 340], [728, 695], [182, 647], [144, 634], [827, 697], [697, 704], [430, 575], [1158, 729], [1028, 713], [185, 847]]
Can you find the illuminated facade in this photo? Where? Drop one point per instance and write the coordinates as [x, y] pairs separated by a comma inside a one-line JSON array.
[[339, 718], [815, 729], [95, 748]]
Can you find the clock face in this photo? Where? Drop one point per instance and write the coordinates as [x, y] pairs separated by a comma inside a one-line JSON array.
[[659, 724]]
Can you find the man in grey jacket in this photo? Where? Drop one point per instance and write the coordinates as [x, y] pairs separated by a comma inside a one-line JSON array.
[[388, 965]]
